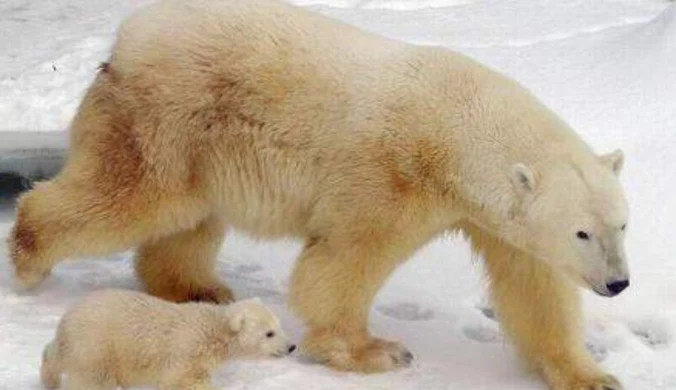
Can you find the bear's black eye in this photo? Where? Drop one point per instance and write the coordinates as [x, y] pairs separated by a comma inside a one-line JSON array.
[[624, 227], [270, 334], [582, 235]]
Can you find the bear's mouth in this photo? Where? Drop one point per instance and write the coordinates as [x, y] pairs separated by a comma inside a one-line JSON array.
[[601, 293], [592, 286]]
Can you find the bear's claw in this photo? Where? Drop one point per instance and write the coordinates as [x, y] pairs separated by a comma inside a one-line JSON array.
[[604, 382], [607, 382], [401, 357]]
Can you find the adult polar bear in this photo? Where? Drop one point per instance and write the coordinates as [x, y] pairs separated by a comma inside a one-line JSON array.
[[281, 122]]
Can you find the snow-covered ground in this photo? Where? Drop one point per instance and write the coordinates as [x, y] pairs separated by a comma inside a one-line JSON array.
[[607, 66]]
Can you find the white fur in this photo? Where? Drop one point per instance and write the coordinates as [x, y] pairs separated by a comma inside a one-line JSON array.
[[281, 122], [122, 338]]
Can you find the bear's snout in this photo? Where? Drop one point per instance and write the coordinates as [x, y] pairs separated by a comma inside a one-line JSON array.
[[616, 288]]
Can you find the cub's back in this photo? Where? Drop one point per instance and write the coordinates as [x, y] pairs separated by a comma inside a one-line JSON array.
[[113, 319]]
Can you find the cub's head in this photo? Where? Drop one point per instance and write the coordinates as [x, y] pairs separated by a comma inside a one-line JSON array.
[[574, 215], [258, 332]]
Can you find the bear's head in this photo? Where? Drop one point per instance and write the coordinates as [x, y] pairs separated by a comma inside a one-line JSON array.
[[573, 214], [257, 330]]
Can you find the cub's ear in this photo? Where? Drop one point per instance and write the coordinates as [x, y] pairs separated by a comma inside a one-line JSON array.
[[523, 178], [237, 321], [613, 160]]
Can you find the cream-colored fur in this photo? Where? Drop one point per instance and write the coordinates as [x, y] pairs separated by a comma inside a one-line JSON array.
[[122, 338], [268, 118]]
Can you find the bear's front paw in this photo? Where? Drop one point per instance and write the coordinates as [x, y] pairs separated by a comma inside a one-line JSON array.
[[356, 353], [603, 382], [399, 354], [606, 382]]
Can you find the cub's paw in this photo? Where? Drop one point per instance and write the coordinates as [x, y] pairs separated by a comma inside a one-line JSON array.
[[359, 354]]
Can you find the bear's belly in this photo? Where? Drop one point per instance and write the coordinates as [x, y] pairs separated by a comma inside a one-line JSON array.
[[273, 218], [268, 198]]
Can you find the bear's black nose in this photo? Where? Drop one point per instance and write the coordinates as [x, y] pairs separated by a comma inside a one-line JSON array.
[[617, 287], [292, 348]]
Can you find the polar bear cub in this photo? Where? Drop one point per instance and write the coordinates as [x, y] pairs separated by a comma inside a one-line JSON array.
[[115, 338]]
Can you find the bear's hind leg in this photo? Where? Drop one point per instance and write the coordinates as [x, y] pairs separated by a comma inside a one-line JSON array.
[[69, 217], [180, 267], [332, 288], [540, 310]]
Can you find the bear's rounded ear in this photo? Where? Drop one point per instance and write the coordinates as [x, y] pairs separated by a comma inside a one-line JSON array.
[[613, 160], [237, 321], [523, 178]]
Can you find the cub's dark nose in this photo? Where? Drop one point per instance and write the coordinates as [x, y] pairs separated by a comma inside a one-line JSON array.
[[617, 287], [292, 348]]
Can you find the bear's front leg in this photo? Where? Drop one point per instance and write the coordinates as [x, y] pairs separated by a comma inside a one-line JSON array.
[[540, 310], [332, 288]]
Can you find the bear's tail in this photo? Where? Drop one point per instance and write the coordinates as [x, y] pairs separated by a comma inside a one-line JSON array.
[[50, 371]]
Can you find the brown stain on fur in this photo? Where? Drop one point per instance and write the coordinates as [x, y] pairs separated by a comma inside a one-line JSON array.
[[23, 239], [122, 154], [420, 171], [400, 183], [227, 96]]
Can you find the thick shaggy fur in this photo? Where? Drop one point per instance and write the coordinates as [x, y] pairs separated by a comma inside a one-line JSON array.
[[117, 338], [265, 117]]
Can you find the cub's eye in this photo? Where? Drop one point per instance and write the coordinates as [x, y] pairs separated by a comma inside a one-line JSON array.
[[270, 334], [582, 235], [624, 227]]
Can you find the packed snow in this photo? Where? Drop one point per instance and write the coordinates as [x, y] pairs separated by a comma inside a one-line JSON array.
[[607, 67]]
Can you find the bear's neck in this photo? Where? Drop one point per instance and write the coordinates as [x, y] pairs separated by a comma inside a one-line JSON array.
[[484, 126]]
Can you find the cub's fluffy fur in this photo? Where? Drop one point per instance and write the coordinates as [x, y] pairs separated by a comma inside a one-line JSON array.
[[281, 122], [119, 338]]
